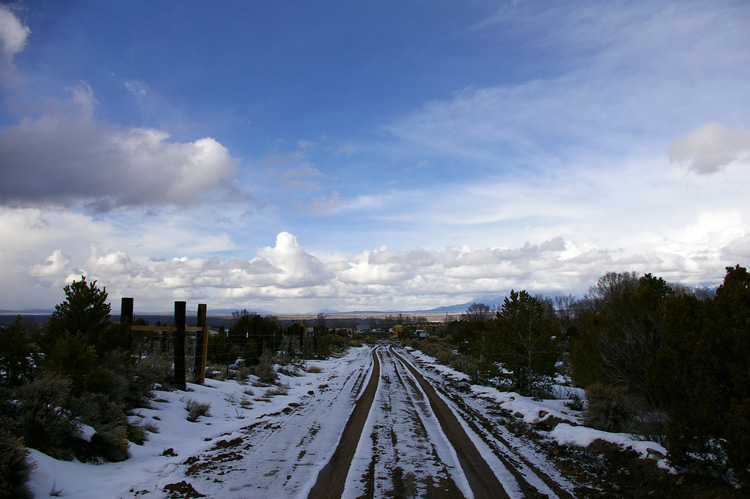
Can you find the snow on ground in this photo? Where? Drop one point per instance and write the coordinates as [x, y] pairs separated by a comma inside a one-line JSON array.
[[288, 438], [534, 411], [581, 436], [233, 406], [403, 433], [444, 370]]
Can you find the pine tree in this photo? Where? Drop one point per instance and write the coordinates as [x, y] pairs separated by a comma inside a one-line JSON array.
[[528, 340], [85, 310], [17, 355]]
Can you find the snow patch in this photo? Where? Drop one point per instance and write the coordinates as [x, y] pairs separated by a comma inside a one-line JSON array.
[[582, 436]]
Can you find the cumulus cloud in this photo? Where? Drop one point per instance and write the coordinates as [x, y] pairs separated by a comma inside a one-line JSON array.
[[296, 266], [711, 147], [67, 156], [285, 276], [13, 34], [55, 265]]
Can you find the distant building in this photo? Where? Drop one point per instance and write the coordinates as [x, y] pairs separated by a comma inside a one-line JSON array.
[[420, 329]]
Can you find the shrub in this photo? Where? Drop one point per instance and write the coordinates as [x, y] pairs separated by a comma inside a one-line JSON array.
[[74, 358], [43, 416], [196, 409], [277, 390], [216, 371], [617, 409], [14, 466], [111, 442], [446, 355], [131, 383], [575, 403], [18, 357], [265, 370], [97, 410], [290, 370], [138, 431]]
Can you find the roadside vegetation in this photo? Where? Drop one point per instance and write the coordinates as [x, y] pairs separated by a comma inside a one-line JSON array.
[[72, 388], [657, 360], [68, 389]]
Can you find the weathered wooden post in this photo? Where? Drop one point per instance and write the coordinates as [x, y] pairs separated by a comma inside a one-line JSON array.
[[201, 346], [179, 345], [226, 348], [126, 317]]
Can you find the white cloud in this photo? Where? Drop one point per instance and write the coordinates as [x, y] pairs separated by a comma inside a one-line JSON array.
[[304, 176], [67, 157], [286, 275], [136, 87], [323, 204], [711, 147], [13, 34], [298, 268], [344, 150], [623, 78], [55, 265]]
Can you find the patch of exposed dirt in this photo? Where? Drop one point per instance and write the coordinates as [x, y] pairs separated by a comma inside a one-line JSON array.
[[213, 464], [181, 490], [227, 444]]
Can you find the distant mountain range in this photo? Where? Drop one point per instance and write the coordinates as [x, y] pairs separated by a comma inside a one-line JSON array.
[[35, 311], [489, 300]]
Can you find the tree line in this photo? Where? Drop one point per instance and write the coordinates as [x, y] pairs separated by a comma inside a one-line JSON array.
[[657, 359]]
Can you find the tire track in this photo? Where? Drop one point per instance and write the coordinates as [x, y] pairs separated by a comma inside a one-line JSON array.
[[409, 455], [482, 480], [524, 471], [332, 478]]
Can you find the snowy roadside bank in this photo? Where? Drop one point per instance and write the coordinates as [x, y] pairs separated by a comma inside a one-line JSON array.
[[160, 460], [568, 430]]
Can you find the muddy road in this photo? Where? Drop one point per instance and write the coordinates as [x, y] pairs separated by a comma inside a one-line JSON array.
[[377, 425], [412, 437]]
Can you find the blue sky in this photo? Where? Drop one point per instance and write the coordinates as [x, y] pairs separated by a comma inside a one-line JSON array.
[[305, 156]]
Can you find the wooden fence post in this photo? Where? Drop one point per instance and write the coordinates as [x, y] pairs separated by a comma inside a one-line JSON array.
[[126, 317], [179, 345], [201, 346]]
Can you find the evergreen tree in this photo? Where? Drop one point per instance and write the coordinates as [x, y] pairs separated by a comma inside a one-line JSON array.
[[702, 375], [527, 341], [621, 338], [18, 357], [85, 310]]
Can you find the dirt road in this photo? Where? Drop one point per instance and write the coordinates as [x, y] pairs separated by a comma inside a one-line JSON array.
[[332, 477], [377, 424], [404, 439]]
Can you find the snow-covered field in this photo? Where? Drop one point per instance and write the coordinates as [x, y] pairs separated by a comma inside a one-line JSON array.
[[257, 445]]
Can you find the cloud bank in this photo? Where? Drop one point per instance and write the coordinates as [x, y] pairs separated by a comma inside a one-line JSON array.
[[385, 279]]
